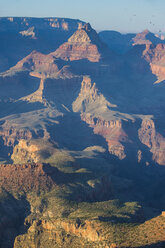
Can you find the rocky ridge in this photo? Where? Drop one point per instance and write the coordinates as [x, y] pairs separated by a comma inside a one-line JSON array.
[[83, 44], [153, 140], [155, 55], [146, 38], [21, 23], [85, 149]]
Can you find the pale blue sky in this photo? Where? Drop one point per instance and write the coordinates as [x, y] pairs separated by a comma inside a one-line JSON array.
[[120, 15]]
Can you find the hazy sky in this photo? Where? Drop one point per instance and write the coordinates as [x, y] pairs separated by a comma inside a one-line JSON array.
[[121, 15]]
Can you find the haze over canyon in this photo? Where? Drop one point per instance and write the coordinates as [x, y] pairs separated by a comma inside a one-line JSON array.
[[82, 137]]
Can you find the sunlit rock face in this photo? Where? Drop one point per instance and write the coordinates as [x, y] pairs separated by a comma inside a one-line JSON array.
[[153, 140], [83, 44], [81, 136]]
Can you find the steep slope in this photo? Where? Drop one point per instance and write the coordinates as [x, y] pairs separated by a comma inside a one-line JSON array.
[[146, 38], [11, 81], [41, 34], [59, 87], [100, 115], [122, 43], [153, 140], [119, 43], [147, 58], [83, 44], [37, 65], [41, 66], [155, 55], [119, 129], [81, 142]]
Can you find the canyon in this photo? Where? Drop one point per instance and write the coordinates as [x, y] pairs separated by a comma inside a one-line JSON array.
[[82, 142]]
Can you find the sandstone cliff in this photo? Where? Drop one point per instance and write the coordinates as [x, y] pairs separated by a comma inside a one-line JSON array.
[[83, 44], [95, 110], [42, 66], [155, 55], [153, 140], [147, 38], [61, 233]]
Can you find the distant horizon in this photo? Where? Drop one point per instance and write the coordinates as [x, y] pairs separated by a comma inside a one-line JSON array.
[[59, 17], [123, 16]]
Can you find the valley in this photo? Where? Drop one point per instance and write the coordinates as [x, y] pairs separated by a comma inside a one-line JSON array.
[[82, 141]]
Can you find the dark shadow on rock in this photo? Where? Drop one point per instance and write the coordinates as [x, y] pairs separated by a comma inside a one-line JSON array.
[[147, 186], [18, 85], [13, 213], [62, 92], [132, 83], [119, 43], [160, 244], [14, 46], [80, 190], [74, 134], [18, 107]]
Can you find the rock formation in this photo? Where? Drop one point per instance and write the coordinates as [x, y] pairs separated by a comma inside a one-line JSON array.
[[153, 140], [83, 44], [20, 23], [147, 38], [82, 147], [94, 110], [24, 178]]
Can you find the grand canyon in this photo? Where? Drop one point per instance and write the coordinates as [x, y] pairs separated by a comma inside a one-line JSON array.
[[82, 136]]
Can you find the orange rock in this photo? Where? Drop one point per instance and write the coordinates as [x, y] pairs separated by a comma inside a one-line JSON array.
[[163, 213], [83, 44], [153, 140], [26, 177]]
